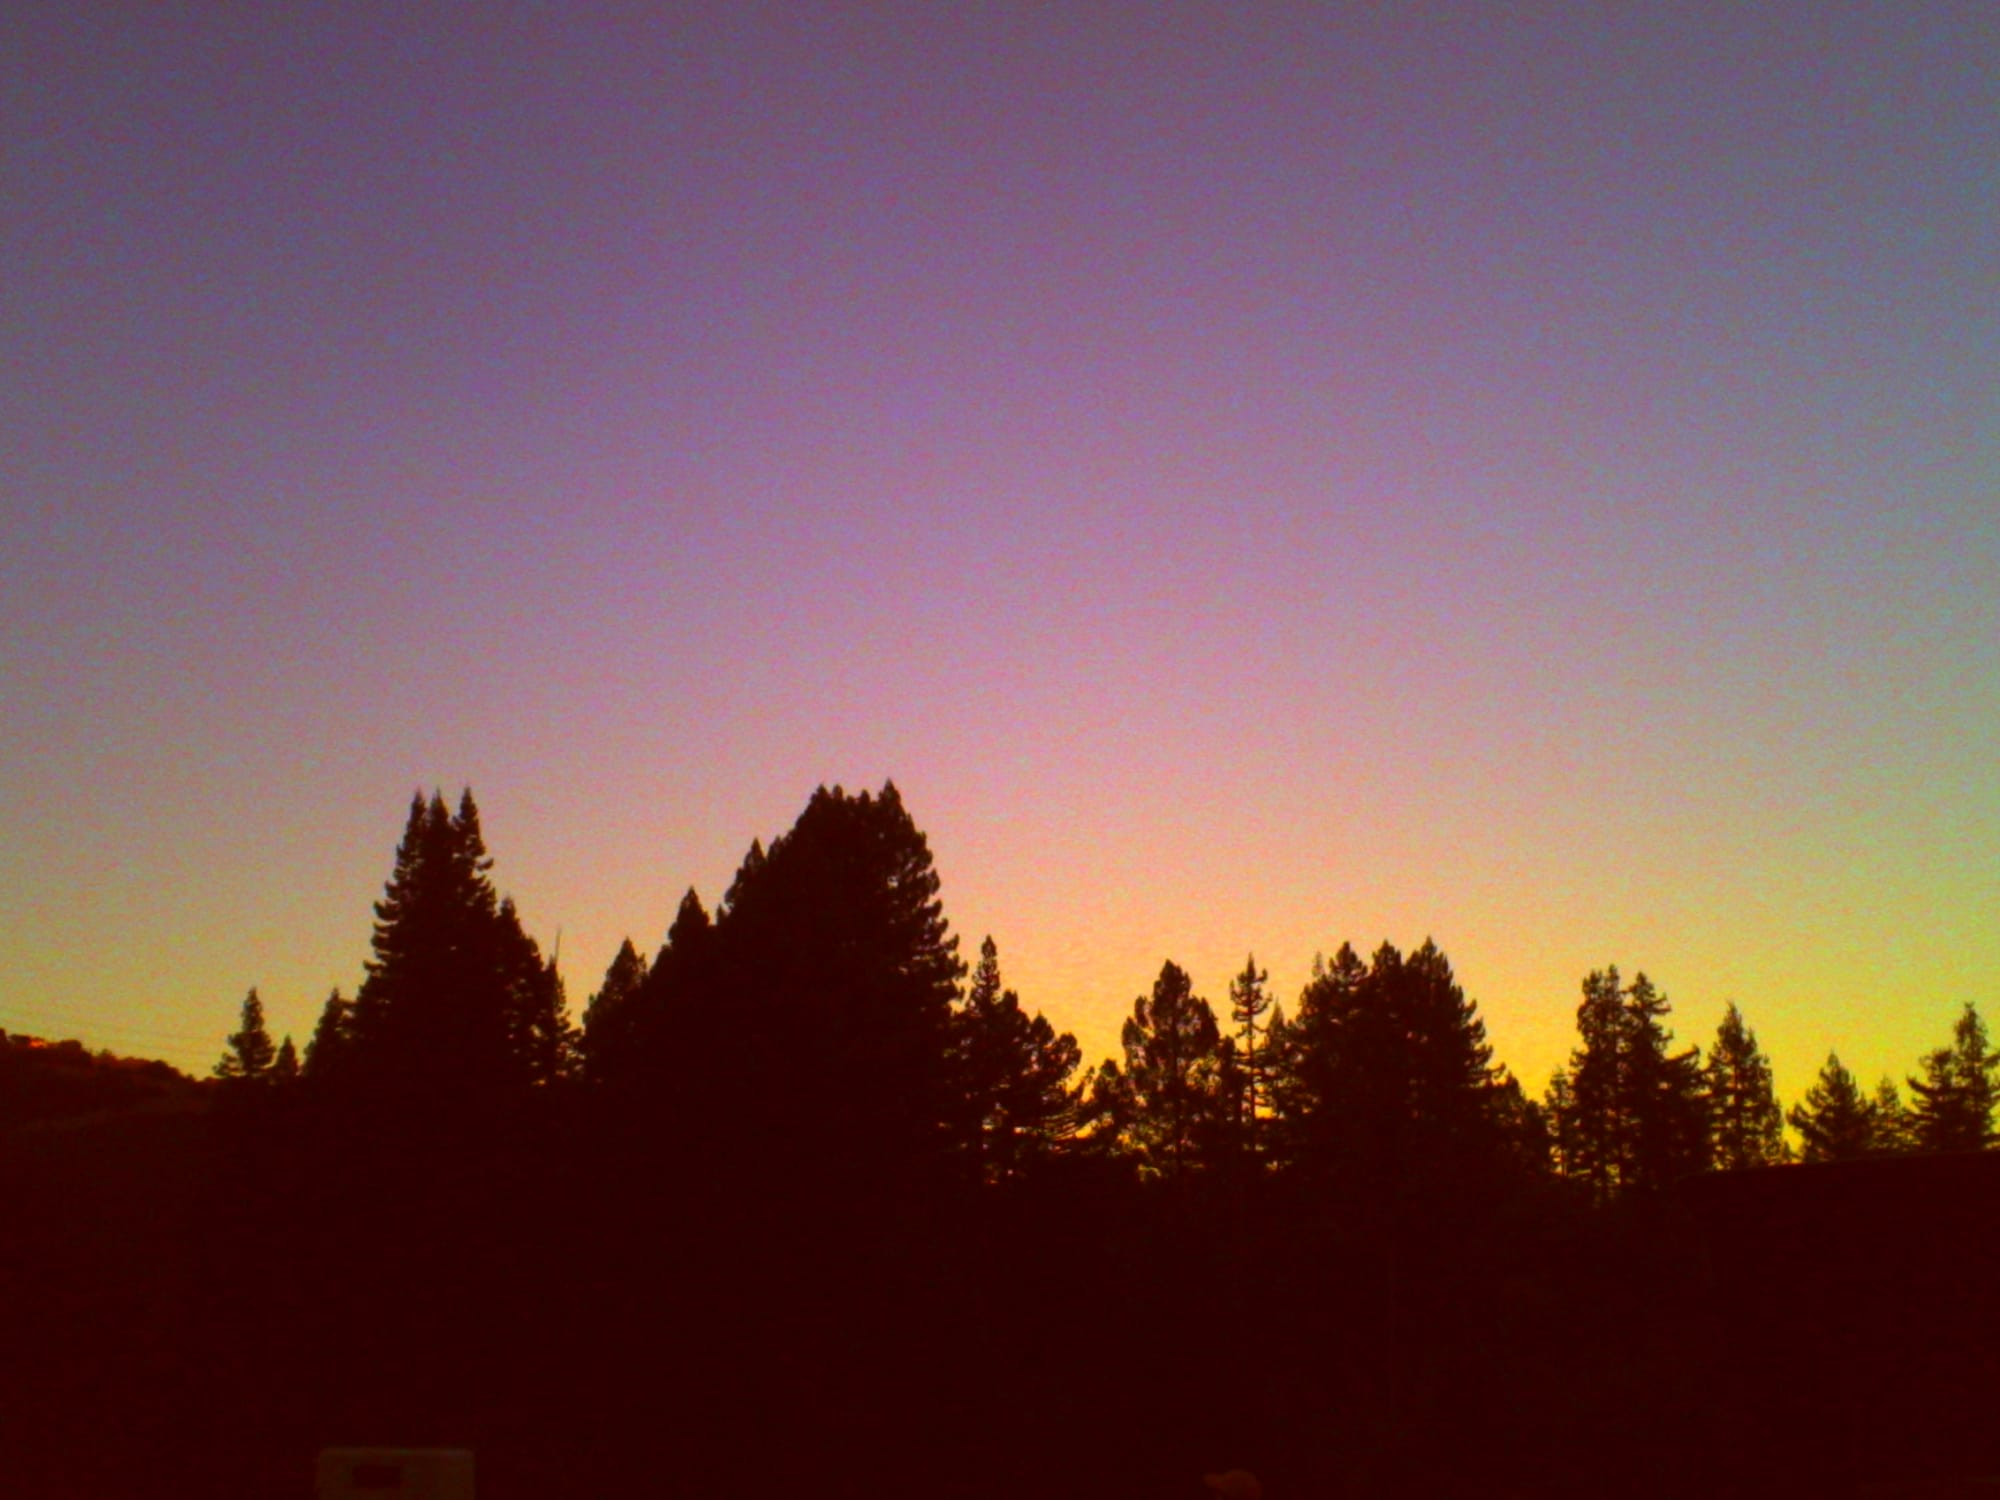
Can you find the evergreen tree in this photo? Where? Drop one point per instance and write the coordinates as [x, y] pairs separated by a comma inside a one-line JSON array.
[[1387, 1070], [1746, 1127], [432, 1011], [683, 1040], [543, 1047], [1168, 1086], [330, 1046], [1568, 1152], [249, 1054], [1104, 1120], [1669, 1125], [1248, 1083], [1632, 1113], [285, 1069], [1307, 1056], [1014, 1073], [609, 1015], [458, 1002], [1894, 1131], [824, 1017], [1588, 1100], [1523, 1125], [978, 1055], [1953, 1109], [1834, 1121], [674, 968], [1452, 1078]]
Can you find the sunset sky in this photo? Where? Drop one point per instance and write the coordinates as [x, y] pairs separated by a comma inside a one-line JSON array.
[[1255, 476]]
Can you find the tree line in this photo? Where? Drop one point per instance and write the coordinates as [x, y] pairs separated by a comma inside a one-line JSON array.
[[804, 1186], [822, 1014]]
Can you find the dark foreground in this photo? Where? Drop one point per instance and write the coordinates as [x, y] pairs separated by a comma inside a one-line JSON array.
[[193, 1307]]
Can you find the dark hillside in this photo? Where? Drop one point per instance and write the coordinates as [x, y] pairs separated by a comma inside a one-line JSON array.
[[1863, 1304]]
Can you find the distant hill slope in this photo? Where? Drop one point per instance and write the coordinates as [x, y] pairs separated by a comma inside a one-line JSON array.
[[42, 1082]]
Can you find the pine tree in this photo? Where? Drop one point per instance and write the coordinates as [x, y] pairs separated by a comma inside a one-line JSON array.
[[1387, 1072], [543, 1047], [978, 1057], [1169, 1091], [285, 1069], [1104, 1115], [1669, 1136], [826, 1014], [609, 1015], [249, 1054], [1523, 1125], [1953, 1109], [1632, 1113], [1588, 1100], [432, 1012], [1250, 1062], [1452, 1078], [329, 1049], [682, 1044], [1834, 1121], [1306, 1057], [1894, 1131], [1014, 1072], [1746, 1127], [458, 1003], [1567, 1151]]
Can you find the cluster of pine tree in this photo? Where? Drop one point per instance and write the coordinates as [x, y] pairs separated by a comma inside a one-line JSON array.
[[822, 1012], [1631, 1112], [803, 1188]]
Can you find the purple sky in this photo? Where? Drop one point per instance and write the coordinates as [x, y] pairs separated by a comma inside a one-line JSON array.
[[1255, 476]]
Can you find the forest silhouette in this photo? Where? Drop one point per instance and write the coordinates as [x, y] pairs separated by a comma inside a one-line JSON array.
[[806, 1202]]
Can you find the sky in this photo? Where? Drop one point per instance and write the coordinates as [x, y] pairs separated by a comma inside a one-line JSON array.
[[1256, 477]]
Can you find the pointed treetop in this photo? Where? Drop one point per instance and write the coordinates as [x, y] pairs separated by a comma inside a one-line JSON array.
[[691, 917]]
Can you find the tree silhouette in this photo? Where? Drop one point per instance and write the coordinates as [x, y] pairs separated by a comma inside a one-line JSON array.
[[1588, 1099], [458, 1001], [1523, 1125], [824, 1012], [543, 1047], [285, 1067], [1953, 1108], [1629, 1114], [1014, 1073], [1166, 1095], [1307, 1058], [1834, 1121], [248, 1054], [1746, 1127], [1386, 1070], [1249, 1062], [1894, 1132], [330, 1047], [678, 1032], [609, 1015]]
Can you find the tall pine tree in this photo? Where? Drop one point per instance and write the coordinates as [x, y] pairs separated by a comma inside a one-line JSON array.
[[458, 1002], [1630, 1112], [329, 1050], [1894, 1132], [1953, 1106], [1014, 1077], [1386, 1071], [609, 1015], [822, 1018], [1250, 1073], [249, 1054], [1167, 1091], [1834, 1121], [1746, 1127]]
